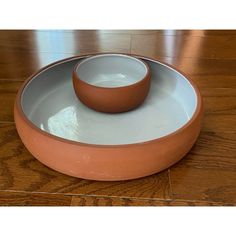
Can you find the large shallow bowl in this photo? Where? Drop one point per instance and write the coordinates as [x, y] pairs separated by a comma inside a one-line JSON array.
[[111, 82], [73, 139]]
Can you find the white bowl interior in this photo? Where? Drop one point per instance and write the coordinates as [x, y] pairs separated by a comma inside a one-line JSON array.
[[111, 70], [50, 103]]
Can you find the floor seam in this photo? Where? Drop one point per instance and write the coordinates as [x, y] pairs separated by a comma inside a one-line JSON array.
[[87, 195], [117, 197], [7, 122], [12, 80], [170, 184]]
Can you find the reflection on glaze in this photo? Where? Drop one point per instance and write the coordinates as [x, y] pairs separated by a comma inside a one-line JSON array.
[[112, 80], [64, 123]]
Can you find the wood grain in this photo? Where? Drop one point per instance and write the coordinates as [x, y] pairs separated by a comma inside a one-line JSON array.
[[173, 32], [203, 184], [219, 101], [33, 199], [19, 170], [108, 201], [25, 52], [204, 177], [208, 171], [190, 54], [19, 65], [8, 90], [185, 46], [59, 41], [212, 151], [198, 67], [219, 123], [214, 81]]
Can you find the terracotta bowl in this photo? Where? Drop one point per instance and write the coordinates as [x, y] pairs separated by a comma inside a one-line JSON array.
[[69, 137], [111, 82]]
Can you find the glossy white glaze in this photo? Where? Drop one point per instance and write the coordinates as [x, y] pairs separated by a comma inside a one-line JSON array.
[[50, 103], [111, 70]]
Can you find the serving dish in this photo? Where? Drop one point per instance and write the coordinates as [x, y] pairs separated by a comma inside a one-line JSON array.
[[69, 137], [111, 82]]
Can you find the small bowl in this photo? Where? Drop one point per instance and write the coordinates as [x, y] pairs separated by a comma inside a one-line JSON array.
[[111, 82]]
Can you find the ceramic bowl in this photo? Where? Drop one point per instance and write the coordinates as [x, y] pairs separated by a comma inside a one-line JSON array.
[[71, 138], [111, 82]]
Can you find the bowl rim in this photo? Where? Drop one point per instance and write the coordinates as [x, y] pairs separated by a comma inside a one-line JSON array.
[[146, 76], [18, 108]]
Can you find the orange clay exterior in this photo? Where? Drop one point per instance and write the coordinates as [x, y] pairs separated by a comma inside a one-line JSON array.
[[107, 162], [112, 100]]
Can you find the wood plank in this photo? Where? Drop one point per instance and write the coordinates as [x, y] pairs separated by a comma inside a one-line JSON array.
[[195, 67], [214, 33], [219, 123], [108, 201], [16, 34], [157, 32], [203, 184], [8, 90], [208, 171], [59, 41], [219, 101], [204, 67], [212, 151], [25, 52], [185, 46], [20, 171], [214, 81], [33, 199], [26, 56], [19, 65], [201, 68], [219, 32]]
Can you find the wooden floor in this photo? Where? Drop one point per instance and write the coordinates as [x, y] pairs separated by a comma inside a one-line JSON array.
[[205, 177]]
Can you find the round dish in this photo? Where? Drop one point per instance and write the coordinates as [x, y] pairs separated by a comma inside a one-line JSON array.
[[67, 136], [111, 82]]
